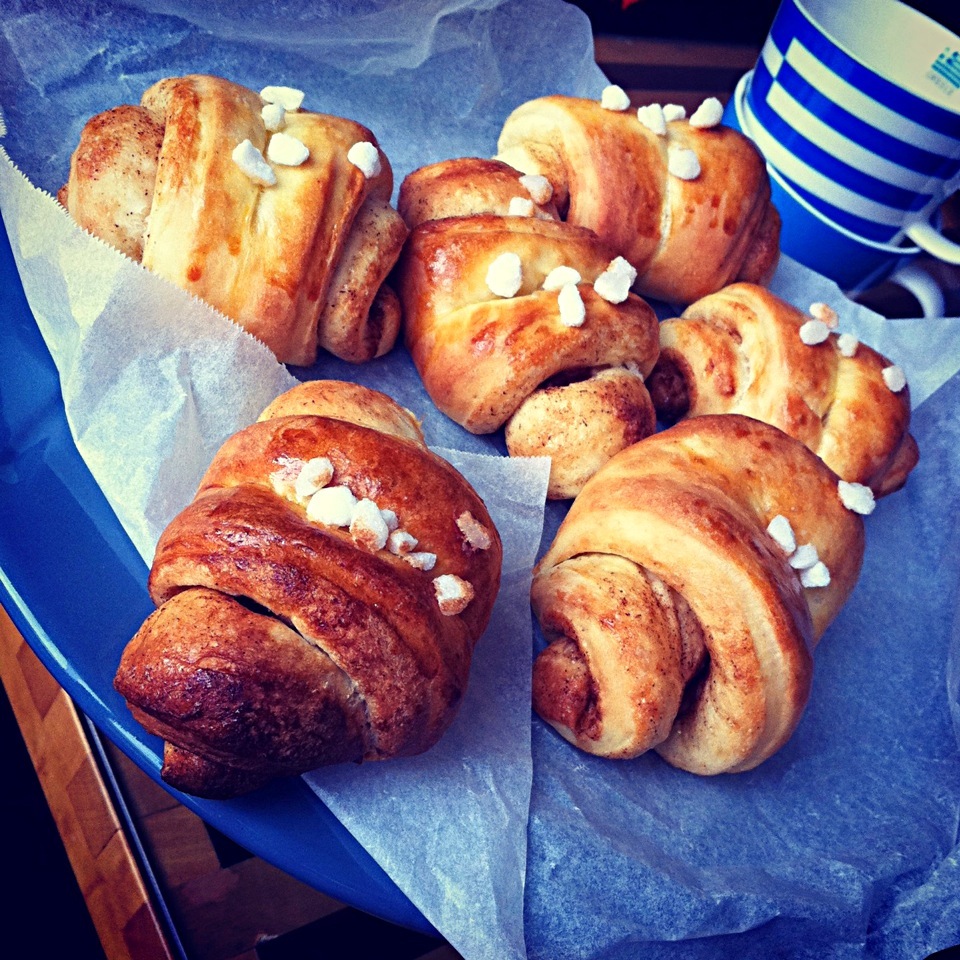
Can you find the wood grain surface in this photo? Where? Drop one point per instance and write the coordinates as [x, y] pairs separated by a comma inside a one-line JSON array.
[[160, 884]]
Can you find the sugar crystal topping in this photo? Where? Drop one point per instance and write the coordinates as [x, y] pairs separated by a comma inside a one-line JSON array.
[[401, 542], [615, 98], [652, 117], [505, 275], [273, 115], [816, 576], [421, 560], [332, 506], [315, 474], [615, 282], [453, 594], [366, 158], [539, 187], [372, 527], [286, 150], [559, 277], [521, 207], [813, 332], [252, 162], [683, 163], [804, 559], [894, 378], [367, 526], [573, 313], [708, 114], [288, 97], [856, 497], [847, 344], [782, 532], [474, 532], [826, 313]]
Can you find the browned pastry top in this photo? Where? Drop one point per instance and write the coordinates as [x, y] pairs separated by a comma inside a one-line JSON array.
[[610, 173], [297, 262], [239, 693], [426, 493], [677, 621], [746, 462], [286, 639], [481, 355], [343, 400], [465, 187], [741, 350]]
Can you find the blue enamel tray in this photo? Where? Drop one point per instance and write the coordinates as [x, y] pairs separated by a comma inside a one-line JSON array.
[[75, 587]]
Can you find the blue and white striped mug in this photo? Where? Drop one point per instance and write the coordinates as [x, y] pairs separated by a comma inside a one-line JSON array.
[[857, 107], [853, 263]]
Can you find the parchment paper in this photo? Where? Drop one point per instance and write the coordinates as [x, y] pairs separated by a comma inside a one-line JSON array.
[[842, 845]]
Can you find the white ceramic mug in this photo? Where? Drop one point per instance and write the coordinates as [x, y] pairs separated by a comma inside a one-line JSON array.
[[857, 106]]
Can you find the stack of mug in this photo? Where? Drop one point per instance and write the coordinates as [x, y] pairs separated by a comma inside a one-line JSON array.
[[856, 109]]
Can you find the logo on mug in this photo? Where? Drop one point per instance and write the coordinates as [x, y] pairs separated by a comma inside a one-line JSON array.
[[945, 71]]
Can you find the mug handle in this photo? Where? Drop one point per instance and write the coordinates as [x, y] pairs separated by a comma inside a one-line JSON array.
[[925, 289], [926, 236]]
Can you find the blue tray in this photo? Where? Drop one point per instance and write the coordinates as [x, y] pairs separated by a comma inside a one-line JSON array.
[[75, 587]]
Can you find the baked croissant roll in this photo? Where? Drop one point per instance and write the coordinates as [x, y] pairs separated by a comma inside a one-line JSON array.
[[278, 217], [687, 204], [684, 593], [744, 350], [318, 600], [517, 320]]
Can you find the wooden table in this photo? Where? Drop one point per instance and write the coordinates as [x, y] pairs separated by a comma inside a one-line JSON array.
[[158, 883]]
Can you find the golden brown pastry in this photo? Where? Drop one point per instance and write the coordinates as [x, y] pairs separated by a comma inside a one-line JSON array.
[[744, 350], [676, 615], [688, 206], [318, 600], [467, 186], [274, 216], [517, 320]]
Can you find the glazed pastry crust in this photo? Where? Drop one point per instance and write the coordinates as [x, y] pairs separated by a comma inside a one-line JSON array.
[[280, 643], [215, 655], [481, 355], [299, 264], [686, 238], [566, 390], [674, 619], [342, 400], [740, 351], [464, 187]]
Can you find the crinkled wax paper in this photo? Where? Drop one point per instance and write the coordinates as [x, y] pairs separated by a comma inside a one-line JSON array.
[[842, 845]]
